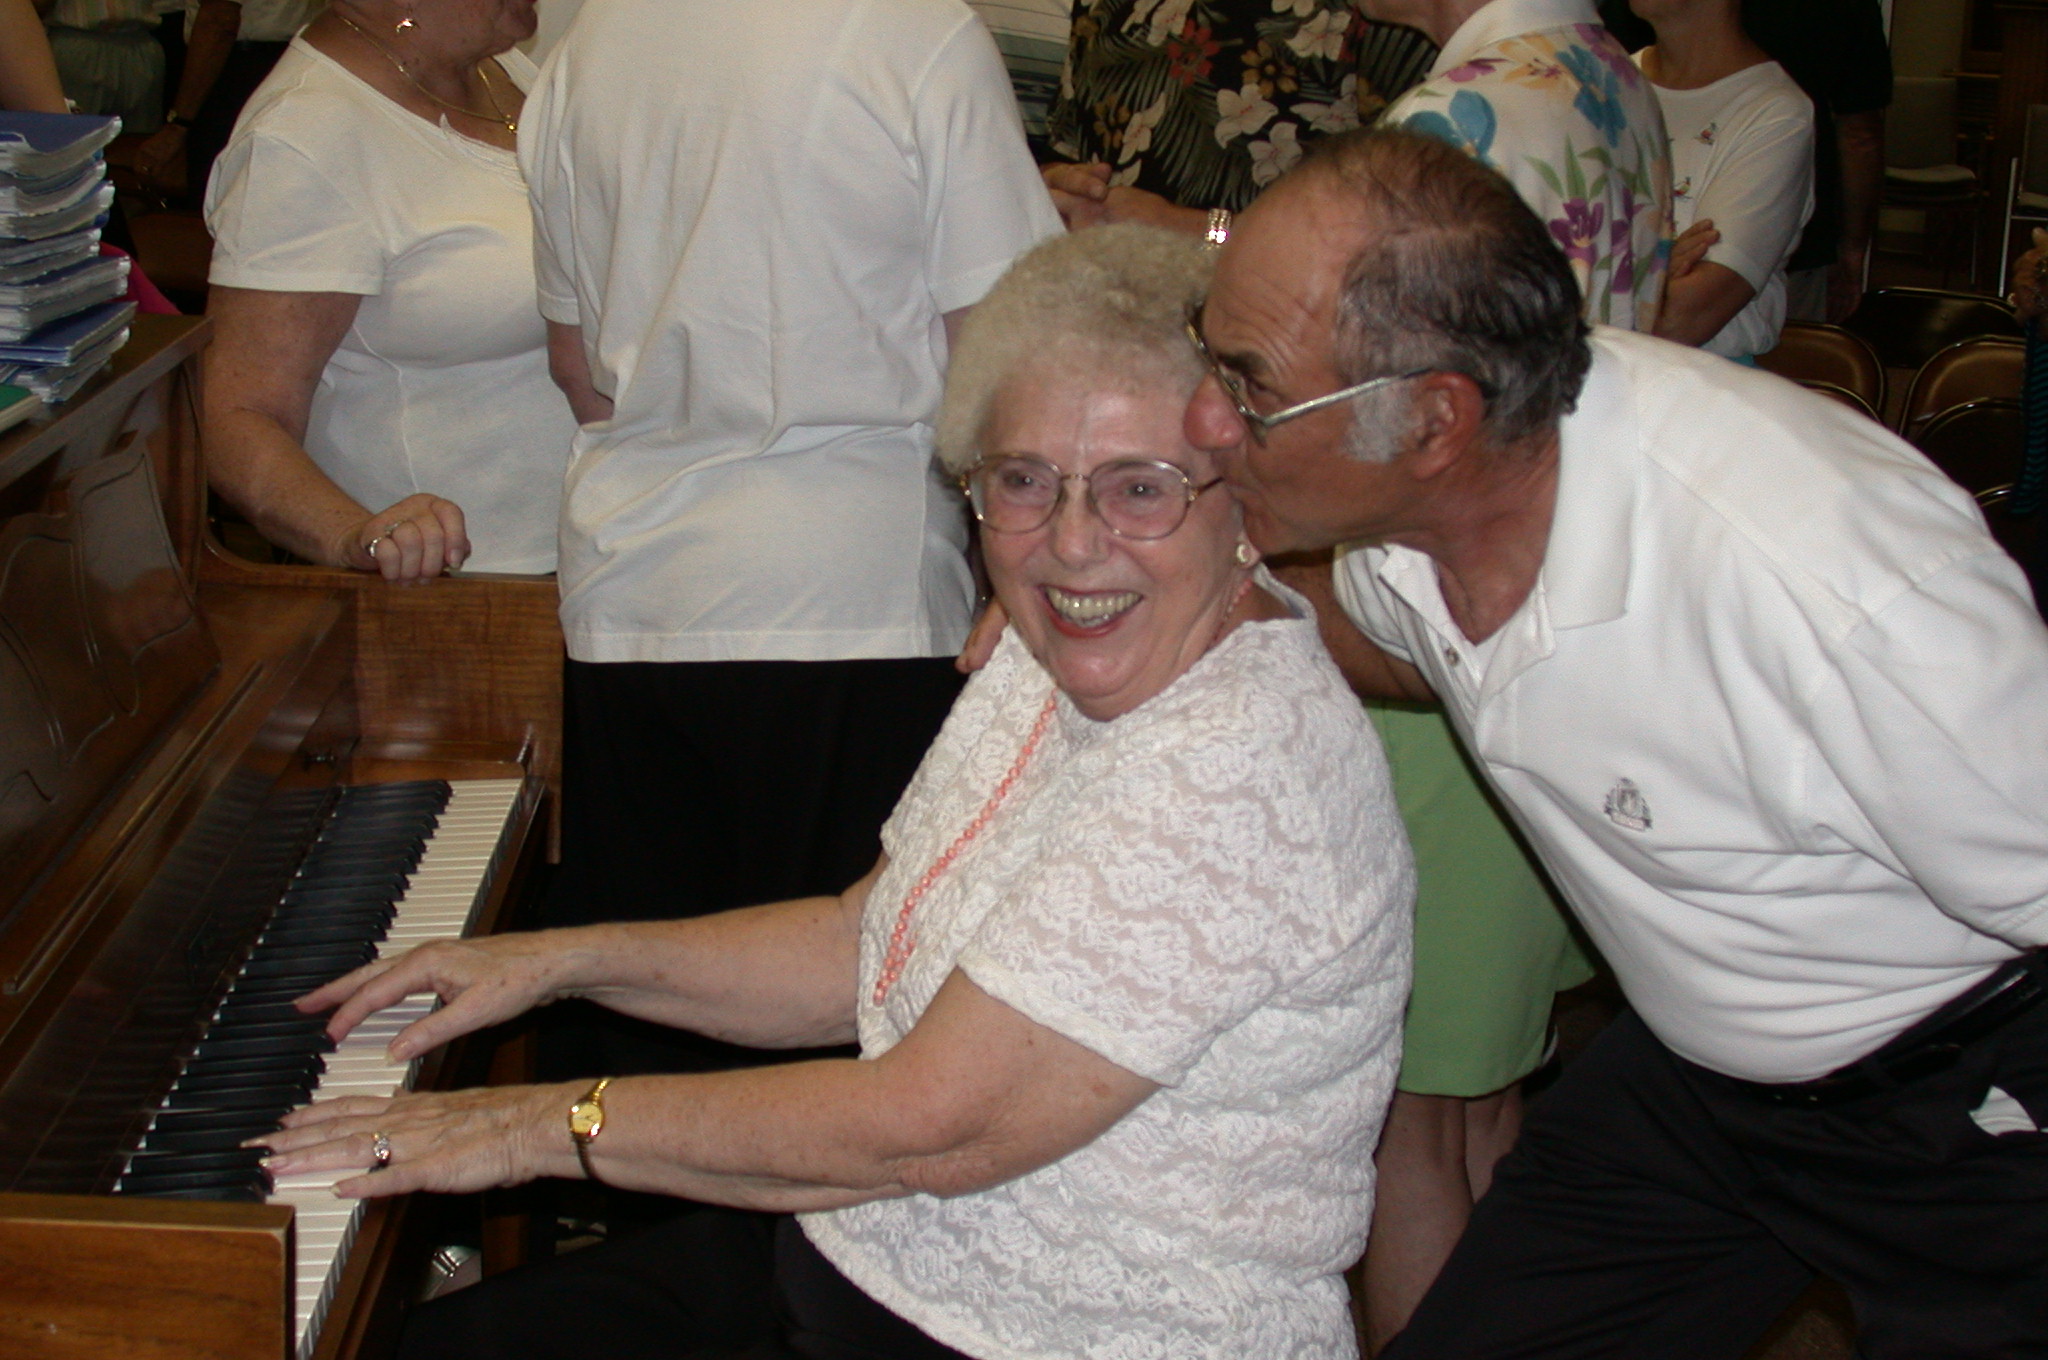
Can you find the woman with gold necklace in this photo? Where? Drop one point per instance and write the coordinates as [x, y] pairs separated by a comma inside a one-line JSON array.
[[378, 396]]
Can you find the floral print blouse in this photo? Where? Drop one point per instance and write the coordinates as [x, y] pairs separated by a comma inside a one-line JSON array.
[[1205, 102], [1539, 91]]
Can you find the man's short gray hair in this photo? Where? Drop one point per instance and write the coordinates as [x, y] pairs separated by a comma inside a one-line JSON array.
[[1109, 301], [1455, 273]]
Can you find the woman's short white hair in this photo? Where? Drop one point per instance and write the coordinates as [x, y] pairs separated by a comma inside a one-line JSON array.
[[1110, 302]]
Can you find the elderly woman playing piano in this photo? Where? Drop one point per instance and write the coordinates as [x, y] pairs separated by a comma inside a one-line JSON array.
[[1127, 982]]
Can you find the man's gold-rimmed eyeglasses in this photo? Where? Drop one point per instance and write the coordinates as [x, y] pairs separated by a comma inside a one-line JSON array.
[[1133, 497], [1232, 384]]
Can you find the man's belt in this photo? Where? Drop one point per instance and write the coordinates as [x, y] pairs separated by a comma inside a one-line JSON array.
[[1930, 1046]]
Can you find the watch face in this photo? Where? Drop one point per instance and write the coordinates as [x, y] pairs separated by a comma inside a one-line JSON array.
[[585, 1117]]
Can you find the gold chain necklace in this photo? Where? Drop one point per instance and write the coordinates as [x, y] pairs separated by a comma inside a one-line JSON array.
[[497, 114]]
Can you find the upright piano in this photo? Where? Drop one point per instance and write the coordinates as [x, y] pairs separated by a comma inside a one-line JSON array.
[[200, 756]]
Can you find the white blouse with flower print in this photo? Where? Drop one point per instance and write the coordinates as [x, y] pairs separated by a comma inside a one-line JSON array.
[[1212, 891]]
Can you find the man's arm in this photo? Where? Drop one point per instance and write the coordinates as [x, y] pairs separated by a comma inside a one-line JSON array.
[[206, 53], [1374, 673]]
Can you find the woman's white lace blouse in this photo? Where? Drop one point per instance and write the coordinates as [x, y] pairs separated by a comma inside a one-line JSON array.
[[1212, 891]]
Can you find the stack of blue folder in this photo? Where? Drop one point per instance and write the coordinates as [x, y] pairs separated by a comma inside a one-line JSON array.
[[61, 317]]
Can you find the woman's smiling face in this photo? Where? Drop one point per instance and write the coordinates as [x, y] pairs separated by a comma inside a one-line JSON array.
[[1115, 620]]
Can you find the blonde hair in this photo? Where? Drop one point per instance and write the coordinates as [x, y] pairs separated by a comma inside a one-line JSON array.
[[1108, 301]]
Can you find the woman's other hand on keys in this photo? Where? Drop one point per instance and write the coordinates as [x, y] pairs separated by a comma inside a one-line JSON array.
[[481, 982]]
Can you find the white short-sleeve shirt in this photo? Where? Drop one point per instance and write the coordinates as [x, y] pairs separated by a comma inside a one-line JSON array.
[[759, 260], [441, 384], [1773, 716], [1212, 891], [1742, 156]]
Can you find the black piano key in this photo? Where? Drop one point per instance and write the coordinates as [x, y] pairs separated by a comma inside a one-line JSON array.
[[315, 933], [334, 960], [262, 1046], [226, 1176], [371, 918], [431, 792], [216, 1141], [241, 1076], [276, 1099], [252, 1011], [172, 1123], [352, 864], [237, 1194], [235, 1027], [147, 1165]]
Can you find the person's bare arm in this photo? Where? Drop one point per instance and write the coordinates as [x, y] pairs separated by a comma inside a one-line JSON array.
[[214, 29], [976, 1094], [773, 976], [1373, 673], [1860, 138], [28, 73], [1698, 303], [267, 356], [569, 366]]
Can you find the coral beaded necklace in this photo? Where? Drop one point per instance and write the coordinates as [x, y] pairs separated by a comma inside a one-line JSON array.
[[901, 942]]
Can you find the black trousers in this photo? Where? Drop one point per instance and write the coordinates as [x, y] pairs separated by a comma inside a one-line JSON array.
[[1654, 1209], [713, 1283], [696, 787]]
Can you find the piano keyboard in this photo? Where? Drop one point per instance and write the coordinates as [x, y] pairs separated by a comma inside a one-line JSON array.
[[392, 853]]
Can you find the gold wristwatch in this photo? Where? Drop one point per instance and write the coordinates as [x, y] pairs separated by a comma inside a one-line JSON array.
[[586, 1121]]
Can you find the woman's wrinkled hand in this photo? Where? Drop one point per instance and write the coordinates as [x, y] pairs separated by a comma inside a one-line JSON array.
[[421, 536], [481, 982], [1079, 192], [453, 1141], [1691, 247]]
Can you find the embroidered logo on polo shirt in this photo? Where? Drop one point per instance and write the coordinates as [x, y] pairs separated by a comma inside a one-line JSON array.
[[1626, 807]]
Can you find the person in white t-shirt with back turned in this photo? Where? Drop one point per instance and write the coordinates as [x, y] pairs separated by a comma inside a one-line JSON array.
[[755, 227], [1741, 175]]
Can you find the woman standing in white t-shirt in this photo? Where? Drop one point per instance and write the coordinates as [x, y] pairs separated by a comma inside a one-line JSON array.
[[1741, 171], [378, 395]]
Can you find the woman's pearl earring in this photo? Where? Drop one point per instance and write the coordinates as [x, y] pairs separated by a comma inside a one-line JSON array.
[[1247, 555]]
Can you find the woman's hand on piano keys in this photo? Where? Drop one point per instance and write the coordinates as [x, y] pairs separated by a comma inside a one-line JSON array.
[[419, 537], [481, 982], [450, 1141]]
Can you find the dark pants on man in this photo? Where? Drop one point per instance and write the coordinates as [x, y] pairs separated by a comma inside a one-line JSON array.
[[1654, 1209]]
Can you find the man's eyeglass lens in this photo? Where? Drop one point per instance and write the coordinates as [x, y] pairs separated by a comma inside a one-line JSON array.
[[1136, 498]]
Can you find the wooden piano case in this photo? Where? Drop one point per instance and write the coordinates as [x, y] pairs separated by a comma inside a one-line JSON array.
[[154, 691]]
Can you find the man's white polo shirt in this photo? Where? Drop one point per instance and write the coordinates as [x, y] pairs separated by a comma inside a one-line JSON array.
[[1775, 715]]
